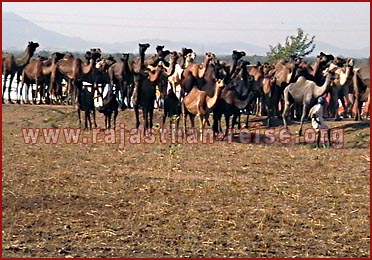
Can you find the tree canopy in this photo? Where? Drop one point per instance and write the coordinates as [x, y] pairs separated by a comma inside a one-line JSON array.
[[298, 46]]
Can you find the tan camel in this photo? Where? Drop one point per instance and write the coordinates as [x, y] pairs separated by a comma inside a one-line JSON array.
[[306, 92], [197, 102], [194, 72], [11, 66], [340, 87]]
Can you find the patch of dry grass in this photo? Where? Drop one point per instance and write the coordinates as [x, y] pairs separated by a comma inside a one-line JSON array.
[[216, 200]]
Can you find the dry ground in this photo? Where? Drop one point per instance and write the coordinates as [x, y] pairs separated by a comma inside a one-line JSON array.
[[161, 200]]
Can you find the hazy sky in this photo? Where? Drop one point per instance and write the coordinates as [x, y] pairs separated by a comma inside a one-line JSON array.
[[345, 25]]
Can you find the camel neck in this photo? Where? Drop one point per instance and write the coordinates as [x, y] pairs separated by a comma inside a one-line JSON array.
[[24, 59], [320, 91]]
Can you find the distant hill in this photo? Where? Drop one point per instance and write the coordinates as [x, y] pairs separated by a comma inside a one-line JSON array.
[[17, 31]]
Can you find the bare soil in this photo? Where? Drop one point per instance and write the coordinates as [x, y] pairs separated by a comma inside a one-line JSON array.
[[189, 200]]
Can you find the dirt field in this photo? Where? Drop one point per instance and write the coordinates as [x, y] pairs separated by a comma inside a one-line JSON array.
[[191, 200]]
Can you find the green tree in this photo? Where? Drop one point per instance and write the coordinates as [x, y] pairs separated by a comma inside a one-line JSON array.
[[298, 46]]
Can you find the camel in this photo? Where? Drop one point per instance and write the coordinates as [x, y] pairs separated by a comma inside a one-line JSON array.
[[121, 76], [172, 107], [110, 105], [235, 97], [185, 52], [315, 72], [194, 73], [85, 103], [361, 89], [139, 64], [74, 70], [340, 87], [197, 102], [38, 72], [145, 87], [306, 92], [12, 65], [187, 56]]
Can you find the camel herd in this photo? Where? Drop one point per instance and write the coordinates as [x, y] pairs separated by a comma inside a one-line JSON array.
[[187, 88]]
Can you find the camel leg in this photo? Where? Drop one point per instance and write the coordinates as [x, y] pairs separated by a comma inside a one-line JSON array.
[[145, 119], [287, 107], [19, 94], [304, 114], [79, 116], [227, 122], [42, 88], [122, 95], [192, 120], [115, 116], [164, 118], [27, 92], [94, 117], [10, 88], [109, 121], [202, 122], [87, 120], [216, 120], [4, 87], [136, 112], [269, 112], [151, 114]]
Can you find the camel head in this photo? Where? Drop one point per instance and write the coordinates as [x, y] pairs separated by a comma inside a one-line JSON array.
[[209, 58], [186, 51], [349, 62], [190, 57], [125, 57], [105, 63], [159, 48], [238, 54], [339, 61], [143, 47], [220, 83], [173, 58], [325, 58], [32, 46], [57, 56]]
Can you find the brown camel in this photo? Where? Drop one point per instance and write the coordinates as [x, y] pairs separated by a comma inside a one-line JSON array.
[[361, 88], [121, 75], [315, 72], [197, 102], [12, 65], [38, 72], [74, 70]]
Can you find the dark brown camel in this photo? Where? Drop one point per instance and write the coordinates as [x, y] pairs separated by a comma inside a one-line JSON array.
[[145, 87], [235, 97], [12, 65], [139, 63]]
